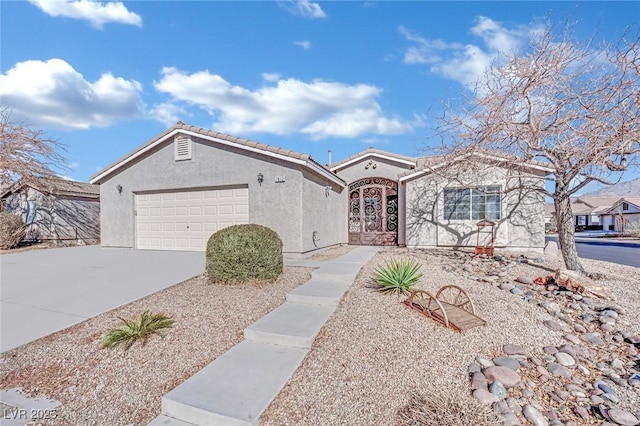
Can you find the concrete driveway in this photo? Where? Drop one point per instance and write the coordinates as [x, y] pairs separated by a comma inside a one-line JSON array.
[[43, 291]]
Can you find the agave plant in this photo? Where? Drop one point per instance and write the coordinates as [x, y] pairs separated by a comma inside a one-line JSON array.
[[138, 328], [397, 276]]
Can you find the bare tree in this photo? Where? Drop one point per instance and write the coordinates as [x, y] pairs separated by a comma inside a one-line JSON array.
[[25, 153], [573, 107]]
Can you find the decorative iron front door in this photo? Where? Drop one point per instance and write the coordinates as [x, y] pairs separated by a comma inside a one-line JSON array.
[[373, 212]]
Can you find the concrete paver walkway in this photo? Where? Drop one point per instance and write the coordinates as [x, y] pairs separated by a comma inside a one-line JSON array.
[[238, 386], [44, 291]]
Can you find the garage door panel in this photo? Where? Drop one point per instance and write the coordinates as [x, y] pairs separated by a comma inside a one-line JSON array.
[[185, 220], [225, 210]]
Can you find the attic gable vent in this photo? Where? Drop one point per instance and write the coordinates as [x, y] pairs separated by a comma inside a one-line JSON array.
[[182, 145]]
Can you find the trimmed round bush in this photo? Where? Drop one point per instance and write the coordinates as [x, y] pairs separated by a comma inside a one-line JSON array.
[[12, 230], [242, 253]]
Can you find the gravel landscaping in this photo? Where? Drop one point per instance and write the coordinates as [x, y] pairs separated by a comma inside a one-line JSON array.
[[375, 356], [112, 387], [376, 361]]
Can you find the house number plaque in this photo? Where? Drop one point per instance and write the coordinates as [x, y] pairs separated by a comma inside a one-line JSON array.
[[279, 179]]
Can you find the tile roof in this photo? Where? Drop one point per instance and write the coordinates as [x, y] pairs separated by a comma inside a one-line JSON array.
[[592, 201], [371, 150], [58, 186], [428, 163], [221, 136]]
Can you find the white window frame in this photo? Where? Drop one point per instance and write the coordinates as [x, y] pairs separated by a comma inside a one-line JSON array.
[[467, 201]]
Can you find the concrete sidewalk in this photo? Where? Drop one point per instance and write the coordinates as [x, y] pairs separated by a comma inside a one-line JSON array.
[[44, 291], [238, 386]]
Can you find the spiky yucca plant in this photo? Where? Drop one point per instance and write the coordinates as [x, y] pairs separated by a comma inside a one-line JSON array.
[[138, 328], [397, 276]]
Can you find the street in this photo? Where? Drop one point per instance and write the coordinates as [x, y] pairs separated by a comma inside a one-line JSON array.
[[609, 250]]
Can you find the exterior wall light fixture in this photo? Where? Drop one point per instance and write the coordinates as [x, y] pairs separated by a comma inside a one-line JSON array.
[[260, 178], [119, 189], [327, 190]]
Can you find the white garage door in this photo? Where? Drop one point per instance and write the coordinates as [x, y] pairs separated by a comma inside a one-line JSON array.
[[184, 220]]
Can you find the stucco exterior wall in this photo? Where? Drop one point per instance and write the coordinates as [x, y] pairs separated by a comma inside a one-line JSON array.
[[276, 205], [324, 212], [521, 225], [55, 217], [384, 168]]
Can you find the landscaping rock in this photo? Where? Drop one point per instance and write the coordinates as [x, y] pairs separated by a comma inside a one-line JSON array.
[[504, 375], [507, 362], [582, 412], [478, 381], [565, 359], [623, 417], [511, 349], [484, 396], [558, 370], [534, 416], [593, 338], [554, 325], [498, 390]]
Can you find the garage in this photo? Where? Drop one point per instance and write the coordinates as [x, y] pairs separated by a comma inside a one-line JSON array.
[[184, 220]]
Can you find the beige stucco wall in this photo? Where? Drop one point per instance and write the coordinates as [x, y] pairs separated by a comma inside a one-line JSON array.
[[522, 209], [276, 205], [384, 168], [324, 211]]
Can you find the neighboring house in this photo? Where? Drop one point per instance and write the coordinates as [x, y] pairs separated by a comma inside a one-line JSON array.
[[181, 186], [587, 211], [624, 211], [55, 209], [609, 213]]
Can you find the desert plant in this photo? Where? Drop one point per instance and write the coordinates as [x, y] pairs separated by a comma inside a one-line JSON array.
[[241, 253], [138, 328], [12, 230], [445, 409], [632, 229], [397, 276]]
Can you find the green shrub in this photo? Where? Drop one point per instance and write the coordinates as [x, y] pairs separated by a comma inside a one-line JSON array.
[[240, 253], [138, 328], [397, 276], [12, 230]]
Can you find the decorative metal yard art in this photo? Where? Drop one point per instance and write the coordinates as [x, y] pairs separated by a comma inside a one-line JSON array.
[[485, 237], [451, 307]]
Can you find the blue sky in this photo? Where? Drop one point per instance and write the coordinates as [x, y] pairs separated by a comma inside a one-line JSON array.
[[104, 78]]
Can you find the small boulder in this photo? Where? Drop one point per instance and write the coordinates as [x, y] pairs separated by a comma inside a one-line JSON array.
[[511, 349], [504, 375], [623, 417], [534, 416], [485, 397]]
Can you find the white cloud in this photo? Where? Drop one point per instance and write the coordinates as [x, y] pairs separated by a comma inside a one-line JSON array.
[[52, 93], [270, 76], [305, 44], [465, 63], [288, 106], [168, 113], [96, 13], [304, 8]]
